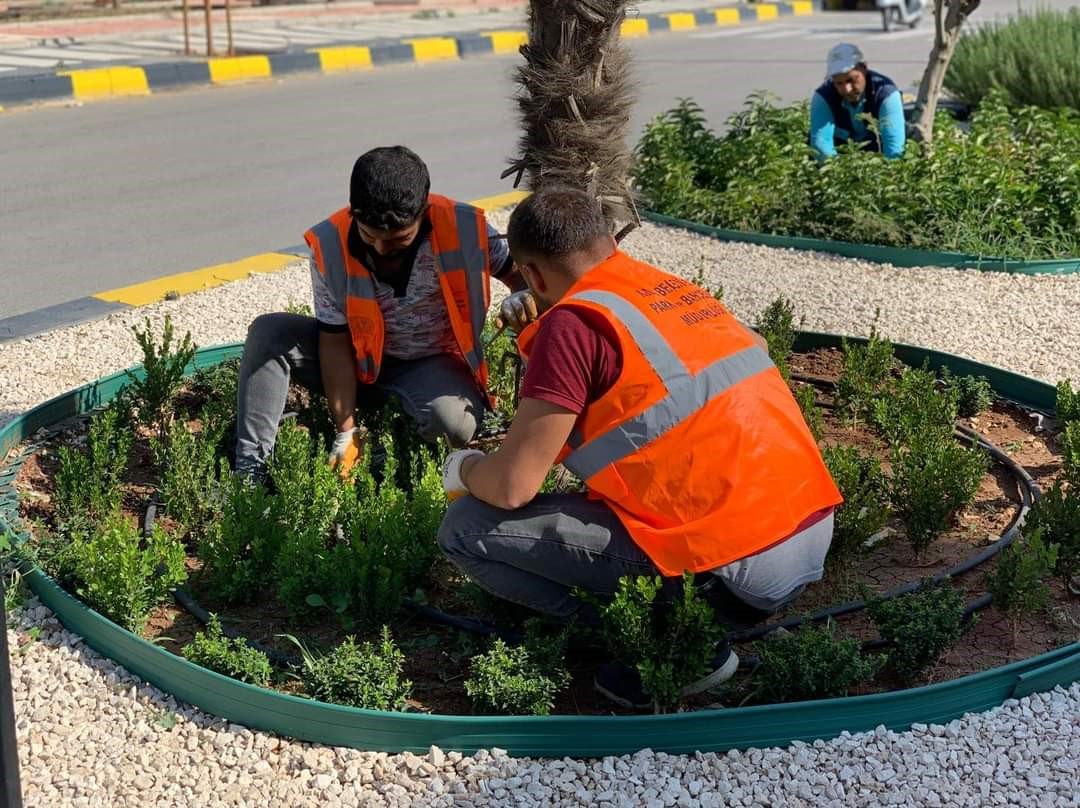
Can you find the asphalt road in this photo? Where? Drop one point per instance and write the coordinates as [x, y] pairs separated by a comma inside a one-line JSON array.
[[120, 191]]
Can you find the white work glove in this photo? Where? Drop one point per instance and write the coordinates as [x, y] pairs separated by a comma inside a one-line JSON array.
[[347, 448], [451, 473], [518, 310]]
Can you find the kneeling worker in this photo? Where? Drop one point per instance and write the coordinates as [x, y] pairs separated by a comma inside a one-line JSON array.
[[695, 454], [851, 90]]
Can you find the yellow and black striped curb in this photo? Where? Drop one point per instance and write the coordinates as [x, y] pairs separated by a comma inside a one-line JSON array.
[[145, 79], [170, 286]]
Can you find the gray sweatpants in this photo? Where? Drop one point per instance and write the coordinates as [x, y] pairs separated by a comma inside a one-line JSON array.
[[438, 392], [537, 555]]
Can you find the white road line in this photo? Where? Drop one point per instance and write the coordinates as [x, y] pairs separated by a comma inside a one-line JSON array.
[[5, 69], [70, 54], [777, 33], [26, 61], [722, 32]]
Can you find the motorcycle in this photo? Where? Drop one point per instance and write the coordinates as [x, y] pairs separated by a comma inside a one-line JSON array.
[[900, 12]]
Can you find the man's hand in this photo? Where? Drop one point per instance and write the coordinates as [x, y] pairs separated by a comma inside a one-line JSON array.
[[347, 448], [517, 310], [453, 485]]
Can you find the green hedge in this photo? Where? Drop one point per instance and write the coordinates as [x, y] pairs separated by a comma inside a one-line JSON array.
[[1009, 187], [1034, 58]]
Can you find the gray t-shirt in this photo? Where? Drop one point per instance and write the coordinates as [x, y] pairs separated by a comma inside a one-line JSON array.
[[416, 324], [772, 577]]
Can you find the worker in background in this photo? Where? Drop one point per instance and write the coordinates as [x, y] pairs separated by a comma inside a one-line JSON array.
[[401, 283], [850, 91], [693, 451]]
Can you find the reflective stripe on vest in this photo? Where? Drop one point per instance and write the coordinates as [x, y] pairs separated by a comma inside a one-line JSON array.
[[470, 260], [686, 394]]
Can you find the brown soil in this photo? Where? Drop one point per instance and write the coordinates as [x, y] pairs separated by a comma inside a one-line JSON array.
[[437, 656]]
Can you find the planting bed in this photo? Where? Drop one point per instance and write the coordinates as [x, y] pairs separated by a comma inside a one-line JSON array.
[[437, 655]]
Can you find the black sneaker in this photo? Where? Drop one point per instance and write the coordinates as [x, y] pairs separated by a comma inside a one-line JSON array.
[[622, 684]]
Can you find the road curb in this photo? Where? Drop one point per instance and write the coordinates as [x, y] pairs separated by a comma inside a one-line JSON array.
[[170, 287], [126, 80]]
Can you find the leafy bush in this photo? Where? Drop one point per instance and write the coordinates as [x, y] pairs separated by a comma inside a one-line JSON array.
[[973, 393], [863, 374], [1007, 187], [357, 547], [805, 395], [366, 675], [670, 645], [865, 510], [1056, 518], [777, 325], [163, 371], [921, 625], [503, 364], [812, 663], [915, 403], [1031, 58], [188, 462], [519, 680], [1067, 404], [120, 577], [933, 477], [89, 485], [229, 657], [240, 548], [1017, 581]]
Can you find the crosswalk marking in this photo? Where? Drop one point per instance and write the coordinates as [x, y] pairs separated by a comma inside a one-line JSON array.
[[27, 61], [70, 54]]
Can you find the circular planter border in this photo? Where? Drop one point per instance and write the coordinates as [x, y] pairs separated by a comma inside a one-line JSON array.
[[897, 256], [551, 736]]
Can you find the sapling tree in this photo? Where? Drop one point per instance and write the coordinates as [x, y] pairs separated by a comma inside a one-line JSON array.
[[973, 393], [865, 371], [89, 485], [163, 371], [367, 675], [915, 403], [949, 17], [1067, 403], [1056, 518], [522, 679], [815, 421], [228, 656], [777, 325]]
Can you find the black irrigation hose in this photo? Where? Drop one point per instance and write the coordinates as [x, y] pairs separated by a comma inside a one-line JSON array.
[[1029, 494], [189, 604], [472, 625]]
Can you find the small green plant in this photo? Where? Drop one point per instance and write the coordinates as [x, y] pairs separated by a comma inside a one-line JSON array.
[[1067, 403], [1069, 441], [973, 393], [670, 645], [865, 510], [228, 656], [519, 680], [163, 371], [865, 371], [1056, 518], [188, 462], [14, 592], [504, 365], [812, 663], [933, 478], [367, 675], [914, 403], [777, 325], [121, 576], [921, 626], [1018, 581], [89, 485], [292, 307], [815, 421], [240, 548]]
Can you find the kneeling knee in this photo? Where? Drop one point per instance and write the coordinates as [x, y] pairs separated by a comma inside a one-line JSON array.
[[452, 418]]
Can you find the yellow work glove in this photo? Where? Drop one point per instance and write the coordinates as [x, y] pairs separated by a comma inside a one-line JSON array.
[[347, 448], [451, 473], [517, 310]]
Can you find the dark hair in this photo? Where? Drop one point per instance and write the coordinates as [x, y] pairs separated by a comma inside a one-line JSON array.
[[556, 221], [389, 187]]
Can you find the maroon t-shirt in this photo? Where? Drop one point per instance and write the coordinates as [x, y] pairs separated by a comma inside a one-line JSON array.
[[574, 359]]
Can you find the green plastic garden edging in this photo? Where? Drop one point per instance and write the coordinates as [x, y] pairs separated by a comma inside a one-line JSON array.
[[897, 256], [553, 736]]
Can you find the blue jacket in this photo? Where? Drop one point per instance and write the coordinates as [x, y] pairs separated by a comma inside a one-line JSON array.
[[834, 121]]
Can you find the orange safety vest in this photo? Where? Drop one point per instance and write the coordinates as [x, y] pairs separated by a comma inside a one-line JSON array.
[[459, 240], [699, 447]]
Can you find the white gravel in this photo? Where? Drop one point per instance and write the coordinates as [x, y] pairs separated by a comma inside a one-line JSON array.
[[91, 735]]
